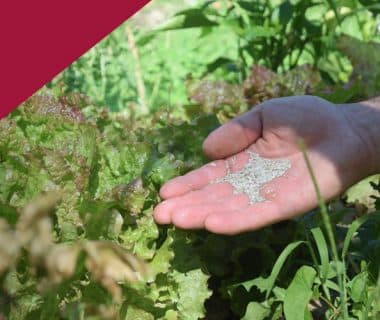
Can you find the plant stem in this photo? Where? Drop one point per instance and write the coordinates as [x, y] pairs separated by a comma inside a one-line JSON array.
[[330, 232], [336, 11], [156, 87], [328, 302], [138, 75]]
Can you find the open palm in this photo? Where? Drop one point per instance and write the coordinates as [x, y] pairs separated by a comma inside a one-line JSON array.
[[272, 130]]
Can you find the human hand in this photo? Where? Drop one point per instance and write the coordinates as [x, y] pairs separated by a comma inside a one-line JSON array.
[[336, 149]]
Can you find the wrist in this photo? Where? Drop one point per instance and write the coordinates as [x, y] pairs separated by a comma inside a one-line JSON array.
[[364, 119]]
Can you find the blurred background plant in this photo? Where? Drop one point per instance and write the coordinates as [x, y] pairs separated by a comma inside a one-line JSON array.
[[144, 64]]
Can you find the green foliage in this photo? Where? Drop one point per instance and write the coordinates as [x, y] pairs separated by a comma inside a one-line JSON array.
[[79, 183], [266, 285], [136, 70], [299, 293], [283, 34], [107, 179], [107, 73], [79, 254]]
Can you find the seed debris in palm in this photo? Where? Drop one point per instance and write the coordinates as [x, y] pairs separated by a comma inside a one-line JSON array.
[[257, 172]]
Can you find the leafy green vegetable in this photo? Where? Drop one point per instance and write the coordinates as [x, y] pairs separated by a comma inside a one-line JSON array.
[[107, 182]]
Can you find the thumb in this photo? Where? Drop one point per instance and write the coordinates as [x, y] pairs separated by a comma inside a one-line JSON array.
[[234, 136]]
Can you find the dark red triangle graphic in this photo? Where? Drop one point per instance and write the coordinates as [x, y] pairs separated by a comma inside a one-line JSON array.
[[40, 38]]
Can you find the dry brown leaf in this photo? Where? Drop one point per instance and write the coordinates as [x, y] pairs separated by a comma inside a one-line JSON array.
[[111, 264], [9, 246], [61, 261]]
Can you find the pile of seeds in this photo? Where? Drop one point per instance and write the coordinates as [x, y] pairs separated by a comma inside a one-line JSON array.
[[257, 172]]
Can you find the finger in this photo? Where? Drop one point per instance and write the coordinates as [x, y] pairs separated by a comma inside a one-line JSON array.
[[193, 180], [247, 219], [234, 136], [213, 192], [193, 217]]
